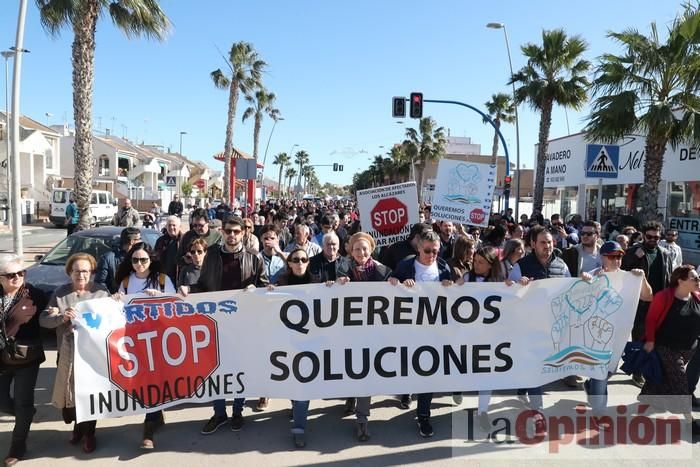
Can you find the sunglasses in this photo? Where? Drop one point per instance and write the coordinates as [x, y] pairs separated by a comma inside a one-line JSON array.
[[140, 260], [196, 252], [429, 251], [13, 275], [233, 231], [299, 259], [652, 237], [587, 234], [248, 227]]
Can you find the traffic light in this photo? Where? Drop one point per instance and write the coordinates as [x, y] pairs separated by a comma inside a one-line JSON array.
[[506, 185], [340, 168], [335, 167], [416, 105], [398, 107]]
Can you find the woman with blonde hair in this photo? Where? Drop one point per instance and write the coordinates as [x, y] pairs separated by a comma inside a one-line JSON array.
[[80, 267]]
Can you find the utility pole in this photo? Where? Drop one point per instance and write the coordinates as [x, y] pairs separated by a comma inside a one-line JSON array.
[[16, 207]]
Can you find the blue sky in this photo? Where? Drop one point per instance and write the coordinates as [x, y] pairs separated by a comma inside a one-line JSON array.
[[333, 65]]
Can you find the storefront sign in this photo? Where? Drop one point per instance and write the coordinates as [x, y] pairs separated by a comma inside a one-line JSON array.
[[688, 231]]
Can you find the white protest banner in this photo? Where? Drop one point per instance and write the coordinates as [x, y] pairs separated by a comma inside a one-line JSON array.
[[463, 192], [387, 213], [359, 339]]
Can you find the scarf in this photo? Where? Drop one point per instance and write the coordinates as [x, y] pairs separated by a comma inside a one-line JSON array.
[[363, 272]]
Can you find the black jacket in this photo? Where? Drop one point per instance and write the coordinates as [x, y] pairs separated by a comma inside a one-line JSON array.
[[392, 255], [321, 270], [252, 271], [29, 331], [632, 261]]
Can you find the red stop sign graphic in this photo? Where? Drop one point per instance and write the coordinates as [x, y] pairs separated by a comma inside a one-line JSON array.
[[159, 361], [477, 216], [200, 184], [389, 216]]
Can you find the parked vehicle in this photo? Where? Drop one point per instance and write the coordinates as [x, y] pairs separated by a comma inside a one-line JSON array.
[[103, 206], [49, 271]]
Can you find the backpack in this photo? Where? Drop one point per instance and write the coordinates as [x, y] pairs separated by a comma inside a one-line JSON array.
[[161, 282]]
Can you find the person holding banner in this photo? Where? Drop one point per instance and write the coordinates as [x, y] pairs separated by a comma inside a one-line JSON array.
[[19, 327], [140, 273], [542, 263], [427, 266], [58, 315], [228, 267], [190, 274], [611, 254], [297, 273], [462, 257], [363, 268], [487, 268]]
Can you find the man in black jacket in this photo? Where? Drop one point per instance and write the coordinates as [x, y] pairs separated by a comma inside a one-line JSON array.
[[329, 265], [229, 267], [175, 207], [391, 256]]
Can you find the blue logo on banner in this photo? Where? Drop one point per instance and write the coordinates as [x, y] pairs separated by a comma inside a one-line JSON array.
[[602, 160]]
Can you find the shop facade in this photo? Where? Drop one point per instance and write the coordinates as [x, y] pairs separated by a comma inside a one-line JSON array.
[[601, 180]]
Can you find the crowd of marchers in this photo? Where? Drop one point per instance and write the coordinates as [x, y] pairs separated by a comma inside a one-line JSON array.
[[292, 242]]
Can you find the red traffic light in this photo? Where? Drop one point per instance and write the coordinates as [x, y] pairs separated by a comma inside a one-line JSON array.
[[416, 110], [508, 179]]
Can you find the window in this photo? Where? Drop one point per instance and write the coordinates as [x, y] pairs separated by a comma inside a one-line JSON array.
[[102, 197], [103, 168], [59, 196], [48, 156], [93, 198]]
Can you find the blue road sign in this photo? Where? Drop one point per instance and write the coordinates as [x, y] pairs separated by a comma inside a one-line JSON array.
[[170, 181], [602, 160]]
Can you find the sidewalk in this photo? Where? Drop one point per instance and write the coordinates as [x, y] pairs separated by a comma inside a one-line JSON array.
[[26, 228]]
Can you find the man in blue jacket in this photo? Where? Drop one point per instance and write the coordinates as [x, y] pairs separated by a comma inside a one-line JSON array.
[[426, 266]]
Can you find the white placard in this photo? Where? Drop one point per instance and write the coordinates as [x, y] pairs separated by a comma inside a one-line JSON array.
[[463, 192], [387, 213]]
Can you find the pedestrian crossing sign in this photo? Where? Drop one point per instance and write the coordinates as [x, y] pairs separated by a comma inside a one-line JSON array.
[[170, 181], [602, 160]]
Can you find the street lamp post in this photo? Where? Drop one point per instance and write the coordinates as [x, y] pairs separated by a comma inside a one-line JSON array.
[[262, 172], [181, 133], [517, 126], [180, 152], [6, 54]]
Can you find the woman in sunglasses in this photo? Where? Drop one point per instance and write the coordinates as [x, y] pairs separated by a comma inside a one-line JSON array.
[[189, 275], [140, 273], [297, 273], [19, 329], [80, 267], [250, 241], [672, 329], [363, 268]]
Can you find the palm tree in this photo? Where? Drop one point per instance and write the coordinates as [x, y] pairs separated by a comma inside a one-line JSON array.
[[290, 173], [501, 109], [306, 172], [301, 158], [281, 159], [262, 103], [400, 163], [423, 145], [555, 73], [134, 18], [651, 87], [246, 70]]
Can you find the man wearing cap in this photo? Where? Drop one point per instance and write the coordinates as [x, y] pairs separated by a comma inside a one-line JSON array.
[[392, 255], [611, 254]]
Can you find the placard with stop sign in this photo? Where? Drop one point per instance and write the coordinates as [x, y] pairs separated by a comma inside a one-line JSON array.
[[148, 358], [387, 213]]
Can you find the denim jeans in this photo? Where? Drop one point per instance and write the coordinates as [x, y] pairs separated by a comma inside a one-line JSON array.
[[220, 406], [597, 394], [22, 406], [424, 402], [300, 410]]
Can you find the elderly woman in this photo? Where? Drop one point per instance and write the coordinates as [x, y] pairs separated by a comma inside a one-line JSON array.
[[364, 269], [672, 329], [58, 315], [23, 352], [190, 274], [139, 273]]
